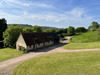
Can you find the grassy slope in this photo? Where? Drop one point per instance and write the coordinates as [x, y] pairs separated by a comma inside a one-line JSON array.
[[84, 41], [86, 37], [76, 63], [8, 53]]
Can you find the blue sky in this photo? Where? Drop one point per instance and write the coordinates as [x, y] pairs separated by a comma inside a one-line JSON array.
[[55, 13]]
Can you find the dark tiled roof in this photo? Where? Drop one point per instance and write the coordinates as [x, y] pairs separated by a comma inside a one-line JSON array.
[[32, 38]]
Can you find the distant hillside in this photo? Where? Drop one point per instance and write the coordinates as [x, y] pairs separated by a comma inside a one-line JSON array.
[[22, 25], [26, 25], [47, 27]]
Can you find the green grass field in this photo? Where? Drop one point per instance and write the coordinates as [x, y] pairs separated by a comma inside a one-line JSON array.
[[86, 40], [74, 46], [75, 63], [91, 36], [8, 53]]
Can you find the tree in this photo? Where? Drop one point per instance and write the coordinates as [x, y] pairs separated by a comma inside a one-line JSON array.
[[37, 28], [50, 30], [60, 31], [95, 26], [11, 35], [80, 30], [27, 29], [90, 28], [71, 30], [98, 31], [3, 26], [65, 30]]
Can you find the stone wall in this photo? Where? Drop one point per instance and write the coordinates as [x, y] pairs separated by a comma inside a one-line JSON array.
[[20, 42]]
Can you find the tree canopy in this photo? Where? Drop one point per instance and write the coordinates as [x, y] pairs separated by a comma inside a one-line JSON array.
[[11, 35], [27, 29], [71, 30], [80, 30], [50, 30], [95, 26], [37, 28], [3, 26]]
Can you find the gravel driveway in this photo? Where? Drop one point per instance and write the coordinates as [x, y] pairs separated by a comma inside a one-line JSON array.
[[7, 66]]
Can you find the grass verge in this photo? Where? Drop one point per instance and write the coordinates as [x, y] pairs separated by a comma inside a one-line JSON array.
[[91, 45], [8, 53], [75, 63]]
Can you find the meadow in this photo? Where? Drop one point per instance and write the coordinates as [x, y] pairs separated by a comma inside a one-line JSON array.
[[74, 63], [86, 40], [91, 36]]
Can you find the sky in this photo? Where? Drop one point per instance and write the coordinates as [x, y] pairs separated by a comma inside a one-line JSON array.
[[54, 13]]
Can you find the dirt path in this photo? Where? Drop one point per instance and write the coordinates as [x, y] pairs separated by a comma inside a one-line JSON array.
[[7, 66]]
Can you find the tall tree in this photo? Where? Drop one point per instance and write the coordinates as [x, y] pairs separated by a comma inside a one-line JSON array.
[[95, 26], [71, 30], [80, 30], [3, 26], [37, 28], [11, 35], [60, 31]]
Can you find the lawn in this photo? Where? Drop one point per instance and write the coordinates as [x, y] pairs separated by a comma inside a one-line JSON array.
[[91, 36], [90, 45], [86, 40], [8, 53], [75, 63]]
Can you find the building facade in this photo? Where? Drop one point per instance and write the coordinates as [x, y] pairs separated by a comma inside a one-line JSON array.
[[33, 41]]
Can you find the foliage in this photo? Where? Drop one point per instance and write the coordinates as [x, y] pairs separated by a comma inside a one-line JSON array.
[[23, 49], [8, 53], [50, 30], [86, 37], [71, 30], [3, 26], [37, 28], [90, 45], [27, 29], [21, 25], [70, 63], [80, 30], [95, 26], [98, 31], [90, 27], [26, 25], [11, 35], [61, 31]]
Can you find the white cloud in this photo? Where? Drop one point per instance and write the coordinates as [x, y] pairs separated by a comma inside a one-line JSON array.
[[25, 12], [21, 4], [44, 5], [76, 16], [26, 4]]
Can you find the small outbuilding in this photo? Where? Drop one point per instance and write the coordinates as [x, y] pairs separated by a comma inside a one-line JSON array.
[[32, 41]]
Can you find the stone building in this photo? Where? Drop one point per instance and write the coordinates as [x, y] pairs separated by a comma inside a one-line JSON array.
[[32, 41]]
